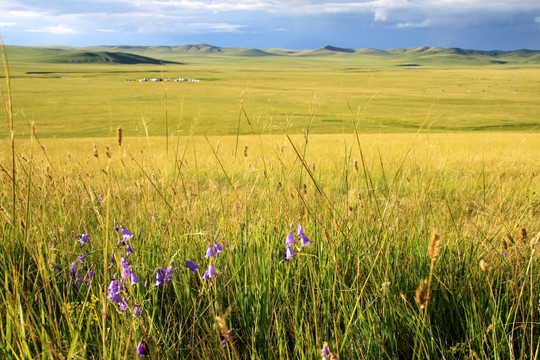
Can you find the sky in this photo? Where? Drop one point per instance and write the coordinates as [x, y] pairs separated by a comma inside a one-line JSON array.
[[292, 24]]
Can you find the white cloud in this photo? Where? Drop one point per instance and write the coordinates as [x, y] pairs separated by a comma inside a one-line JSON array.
[[6, 24], [411, 25], [191, 28], [56, 30], [537, 19], [220, 27]]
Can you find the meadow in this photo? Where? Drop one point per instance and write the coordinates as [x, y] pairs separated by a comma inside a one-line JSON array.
[[419, 227]]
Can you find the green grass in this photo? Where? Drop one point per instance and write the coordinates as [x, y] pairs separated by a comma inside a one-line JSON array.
[[369, 202], [319, 93]]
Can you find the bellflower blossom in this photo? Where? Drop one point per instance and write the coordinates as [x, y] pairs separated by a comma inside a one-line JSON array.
[[209, 252], [134, 279], [303, 238], [114, 291], [83, 239], [129, 250], [123, 305], [126, 235], [218, 247], [209, 273], [290, 240], [125, 266], [163, 276], [192, 266], [289, 253], [142, 350]]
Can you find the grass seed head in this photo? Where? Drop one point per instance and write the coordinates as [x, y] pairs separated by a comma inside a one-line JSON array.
[[484, 266], [509, 238], [420, 296], [434, 246], [403, 297], [95, 151], [119, 135], [523, 235], [5, 213]]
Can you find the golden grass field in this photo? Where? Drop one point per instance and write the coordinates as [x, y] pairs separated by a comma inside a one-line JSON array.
[[375, 283]]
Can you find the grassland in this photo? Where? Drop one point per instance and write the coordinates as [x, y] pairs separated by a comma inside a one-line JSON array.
[[370, 202], [320, 94]]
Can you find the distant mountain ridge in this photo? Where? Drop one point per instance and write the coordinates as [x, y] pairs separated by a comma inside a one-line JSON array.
[[128, 54]]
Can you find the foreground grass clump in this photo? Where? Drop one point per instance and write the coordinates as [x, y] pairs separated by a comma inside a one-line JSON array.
[[113, 251]]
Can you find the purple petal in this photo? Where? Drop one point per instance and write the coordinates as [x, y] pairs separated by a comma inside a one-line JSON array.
[[83, 239], [212, 271], [218, 247], [142, 350], [134, 279], [290, 239], [129, 250], [136, 311], [209, 252], [123, 305], [289, 253], [300, 231], [192, 266], [159, 277], [304, 240]]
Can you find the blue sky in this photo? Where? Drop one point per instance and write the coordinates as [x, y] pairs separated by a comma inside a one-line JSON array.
[[294, 24]]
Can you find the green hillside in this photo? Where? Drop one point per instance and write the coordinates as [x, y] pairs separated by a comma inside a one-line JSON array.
[[68, 55], [126, 54], [103, 57]]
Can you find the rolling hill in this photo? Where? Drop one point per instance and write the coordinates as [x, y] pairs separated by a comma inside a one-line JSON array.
[[127, 54]]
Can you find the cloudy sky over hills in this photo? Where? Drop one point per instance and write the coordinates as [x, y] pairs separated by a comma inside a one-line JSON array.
[[295, 24]]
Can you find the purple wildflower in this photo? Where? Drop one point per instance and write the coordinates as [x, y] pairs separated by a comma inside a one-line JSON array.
[[164, 275], [289, 254], [126, 235], [116, 226], [136, 311], [210, 272], [192, 266], [290, 239], [134, 279], [209, 252], [325, 351], [125, 267], [100, 199], [142, 350], [83, 239], [114, 291], [129, 250], [73, 269], [303, 238], [228, 338], [57, 267], [80, 258], [123, 305], [218, 247]]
